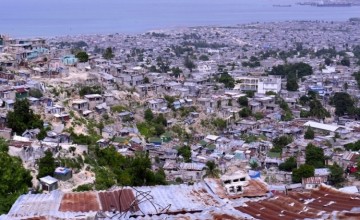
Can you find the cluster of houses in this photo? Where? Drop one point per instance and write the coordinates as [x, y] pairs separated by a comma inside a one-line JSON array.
[[134, 81]]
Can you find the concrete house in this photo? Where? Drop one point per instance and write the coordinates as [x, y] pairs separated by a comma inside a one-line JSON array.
[[235, 183], [93, 100], [157, 104], [80, 105], [48, 183]]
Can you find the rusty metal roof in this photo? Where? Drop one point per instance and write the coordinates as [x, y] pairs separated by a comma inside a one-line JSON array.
[[320, 203], [79, 202], [119, 200]]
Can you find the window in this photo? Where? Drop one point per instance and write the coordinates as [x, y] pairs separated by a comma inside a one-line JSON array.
[[232, 189], [238, 189], [236, 180], [242, 179], [227, 181]]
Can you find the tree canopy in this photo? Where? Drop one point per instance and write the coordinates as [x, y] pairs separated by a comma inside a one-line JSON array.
[[309, 133], [228, 80], [108, 54], [189, 64], [336, 174], [317, 110], [82, 56], [46, 165], [288, 165], [304, 171], [212, 170], [23, 117], [243, 101], [343, 103], [14, 179], [296, 70], [185, 152], [114, 169], [314, 156]]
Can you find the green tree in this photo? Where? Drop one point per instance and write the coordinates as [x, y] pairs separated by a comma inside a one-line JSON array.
[[288, 165], [185, 152], [148, 115], [336, 175], [304, 171], [42, 134], [291, 84], [328, 61], [314, 156], [14, 181], [203, 57], [23, 117], [36, 93], [254, 165], [345, 62], [228, 80], [82, 56], [296, 70], [219, 123], [250, 94], [84, 188], [343, 103], [211, 170], [243, 101], [146, 80], [309, 134], [46, 165], [189, 64], [4, 147], [245, 112], [317, 110], [108, 54], [282, 141], [176, 71]]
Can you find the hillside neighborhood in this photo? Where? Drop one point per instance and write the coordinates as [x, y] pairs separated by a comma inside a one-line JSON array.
[[253, 121]]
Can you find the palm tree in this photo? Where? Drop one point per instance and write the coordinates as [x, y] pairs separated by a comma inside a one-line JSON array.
[[212, 170]]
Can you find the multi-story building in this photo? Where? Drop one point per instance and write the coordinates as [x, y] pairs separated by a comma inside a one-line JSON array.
[[259, 84]]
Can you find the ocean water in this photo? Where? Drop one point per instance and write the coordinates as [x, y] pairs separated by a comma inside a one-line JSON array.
[[45, 18]]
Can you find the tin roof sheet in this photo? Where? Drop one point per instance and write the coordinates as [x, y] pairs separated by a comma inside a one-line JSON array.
[[175, 199], [80, 202], [119, 200]]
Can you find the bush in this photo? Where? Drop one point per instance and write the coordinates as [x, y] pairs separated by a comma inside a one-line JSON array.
[[84, 188], [36, 93]]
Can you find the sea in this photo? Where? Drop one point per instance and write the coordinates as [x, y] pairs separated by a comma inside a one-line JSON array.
[[48, 18]]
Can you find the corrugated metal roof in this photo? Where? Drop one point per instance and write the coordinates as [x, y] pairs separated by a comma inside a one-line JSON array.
[[314, 180], [227, 212], [119, 200], [316, 204], [192, 166], [175, 199], [79, 202], [36, 204], [321, 126]]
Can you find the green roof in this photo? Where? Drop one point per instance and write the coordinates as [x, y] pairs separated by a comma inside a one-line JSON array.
[[167, 135], [120, 139], [203, 143], [155, 139], [274, 154], [211, 147]]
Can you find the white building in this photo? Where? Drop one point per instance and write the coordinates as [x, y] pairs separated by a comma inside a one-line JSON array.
[[259, 84], [269, 84], [235, 183]]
